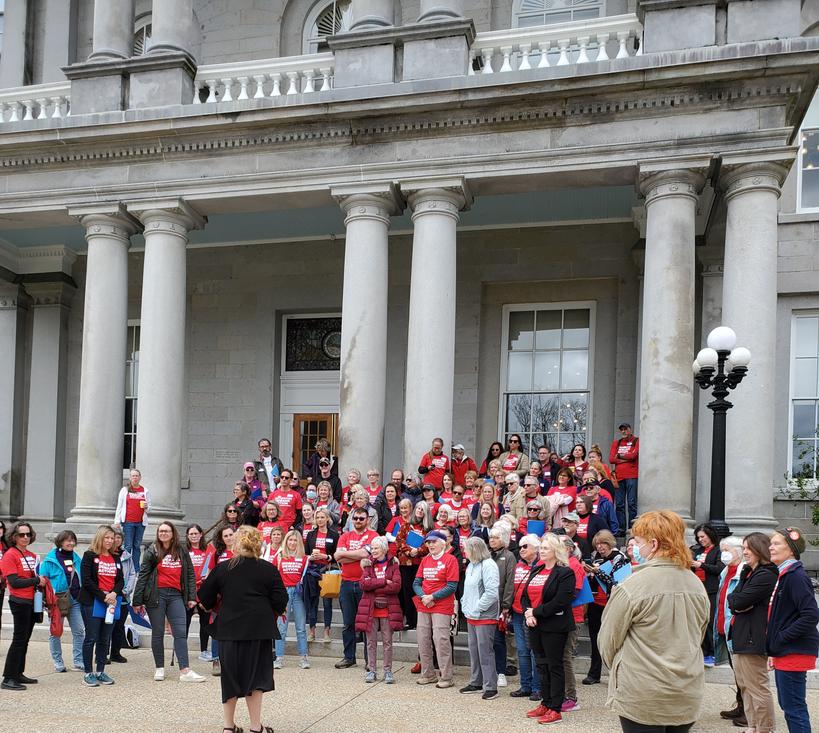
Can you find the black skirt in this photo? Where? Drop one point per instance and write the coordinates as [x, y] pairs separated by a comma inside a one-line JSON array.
[[247, 666]]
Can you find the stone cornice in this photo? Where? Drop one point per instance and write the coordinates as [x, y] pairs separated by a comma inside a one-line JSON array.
[[51, 293], [147, 62], [398, 35]]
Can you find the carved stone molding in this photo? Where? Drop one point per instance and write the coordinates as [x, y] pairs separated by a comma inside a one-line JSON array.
[[13, 297], [377, 201], [442, 196], [680, 183], [172, 216], [106, 221], [747, 177], [51, 294]]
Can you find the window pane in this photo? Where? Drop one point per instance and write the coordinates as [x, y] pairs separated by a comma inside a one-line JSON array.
[[804, 455], [804, 419], [547, 370], [584, 14], [519, 371], [807, 336], [573, 413], [575, 329], [530, 21], [804, 378], [575, 370], [518, 409], [809, 157], [565, 443], [545, 412], [521, 328], [563, 17], [548, 329]]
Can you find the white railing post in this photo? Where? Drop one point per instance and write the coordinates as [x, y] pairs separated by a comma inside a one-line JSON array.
[[243, 82], [525, 51], [212, 91], [258, 80], [227, 95]]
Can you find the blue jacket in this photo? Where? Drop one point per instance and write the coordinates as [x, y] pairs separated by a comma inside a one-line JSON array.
[[52, 568], [794, 615], [606, 510], [732, 584]]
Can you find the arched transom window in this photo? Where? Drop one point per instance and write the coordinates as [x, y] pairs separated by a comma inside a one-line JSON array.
[[326, 20], [546, 12]]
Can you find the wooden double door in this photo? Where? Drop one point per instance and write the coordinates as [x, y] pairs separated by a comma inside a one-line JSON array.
[[308, 429]]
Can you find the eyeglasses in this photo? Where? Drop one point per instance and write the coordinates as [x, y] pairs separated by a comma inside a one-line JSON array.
[[163, 531], [510, 483], [24, 534], [286, 478]]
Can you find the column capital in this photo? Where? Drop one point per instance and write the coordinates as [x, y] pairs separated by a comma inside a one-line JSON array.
[[169, 215], [671, 183], [377, 201], [437, 195], [110, 220], [12, 296], [54, 293], [754, 176]]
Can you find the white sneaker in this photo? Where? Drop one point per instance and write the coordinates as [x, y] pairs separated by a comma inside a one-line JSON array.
[[304, 663], [159, 675], [206, 656], [278, 664], [502, 680], [191, 676]]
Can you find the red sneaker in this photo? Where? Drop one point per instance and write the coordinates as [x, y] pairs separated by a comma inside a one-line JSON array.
[[538, 712], [550, 717], [416, 668]]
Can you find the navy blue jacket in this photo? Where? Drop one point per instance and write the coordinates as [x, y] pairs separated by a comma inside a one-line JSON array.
[[794, 615]]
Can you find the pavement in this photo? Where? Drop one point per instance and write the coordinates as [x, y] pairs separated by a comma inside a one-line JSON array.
[[317, 700]]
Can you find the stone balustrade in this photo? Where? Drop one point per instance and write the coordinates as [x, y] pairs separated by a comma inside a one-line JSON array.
[[35, 102], [308, 74], [564, 44]]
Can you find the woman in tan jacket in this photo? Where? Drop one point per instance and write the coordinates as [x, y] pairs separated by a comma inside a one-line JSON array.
[[651, 632]]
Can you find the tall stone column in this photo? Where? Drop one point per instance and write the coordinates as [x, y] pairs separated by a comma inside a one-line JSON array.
[[162, 335], [15, 33], [172, 22], [434, 10], [59, 38], [711, 259], [364, 324], [14, 303], [45, 455], [667, 343], [369, 14], [431, 333], [749, 307], [113, 30], [102, 377]]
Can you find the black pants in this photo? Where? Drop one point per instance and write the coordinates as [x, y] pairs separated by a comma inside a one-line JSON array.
[[595, 616], [408, 573], [23, 615], [708, 641], [629, 726], [204, 626], [548, 646], [118, 632]]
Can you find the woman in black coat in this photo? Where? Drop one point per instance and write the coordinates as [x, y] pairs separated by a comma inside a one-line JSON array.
[[250, 594], [320, 546], [707, 566], [749, 607], [547, 602]]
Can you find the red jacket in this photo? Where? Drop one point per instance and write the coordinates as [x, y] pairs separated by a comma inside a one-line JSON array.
[[373, 587], [53, 608], [624, 456], [459, 469]]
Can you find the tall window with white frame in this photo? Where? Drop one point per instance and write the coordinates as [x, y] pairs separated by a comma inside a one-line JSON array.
[[527, 13], [809, 169], [323, 21], [805, 396], [131, 390], [546, 383]]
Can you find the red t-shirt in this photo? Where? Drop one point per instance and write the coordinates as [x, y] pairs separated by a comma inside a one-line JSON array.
[[289, 502], [321, 546], [583, 527], [267, 527], [135, 505], [435, 574], [380, 571], [730, 572], [438, 466], [23, 565], [106, 572], [199, 558], [462, 535], [291, 569], [224, 556], [568, 491], [169, 573], [699, 572], [534, 591], [511, 461], [305, 530], [522, 571], [373, 492], [352, 540]]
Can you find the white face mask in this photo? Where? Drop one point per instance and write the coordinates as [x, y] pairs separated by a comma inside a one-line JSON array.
[[726, 557]]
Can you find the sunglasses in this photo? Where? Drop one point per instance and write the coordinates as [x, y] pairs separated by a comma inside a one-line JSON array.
[[359, 519], [457, 493], [510, 483], [514, 440], [533, 509], [24, 534], [250, 469], [231, 511]]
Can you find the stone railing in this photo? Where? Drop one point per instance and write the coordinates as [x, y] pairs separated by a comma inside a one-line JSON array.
[[564, 44], [307, 74], [35, 102]]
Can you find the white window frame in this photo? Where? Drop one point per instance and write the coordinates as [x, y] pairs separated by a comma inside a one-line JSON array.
[[306, 39], [516, 14], [795, 315], [508, 308], [810, 122], [141, 23], [132, 322]]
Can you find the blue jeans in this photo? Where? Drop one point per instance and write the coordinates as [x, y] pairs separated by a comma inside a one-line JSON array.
[[77, 627], [132, 540], [298, 615], [790, 692], [626, 495], [529, 679], [97, 633], [349, 598], [499, 646]]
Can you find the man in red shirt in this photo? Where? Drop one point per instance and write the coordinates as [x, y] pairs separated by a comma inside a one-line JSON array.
[[461, 463], [624, 457], [289, 501], [353, 547], [434, 588], [434, 464]]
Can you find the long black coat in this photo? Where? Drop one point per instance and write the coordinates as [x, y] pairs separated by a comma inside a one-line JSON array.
[[749, 606]]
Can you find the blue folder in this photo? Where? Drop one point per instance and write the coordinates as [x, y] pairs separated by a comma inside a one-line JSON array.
[[100, 608], [536, 526], [415, 539], [619, 575], [584, 595]]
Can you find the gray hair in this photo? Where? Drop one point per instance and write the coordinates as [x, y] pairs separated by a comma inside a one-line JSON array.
[[529, 539], [732, 544], [501, 533], [475, 550], [381, 542]]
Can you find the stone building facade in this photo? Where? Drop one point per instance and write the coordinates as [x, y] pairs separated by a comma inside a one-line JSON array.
[[386, 221]]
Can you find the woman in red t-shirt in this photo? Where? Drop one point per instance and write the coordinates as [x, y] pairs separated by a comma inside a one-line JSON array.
[[292, 564], [19, 567], [434, 464], [271, 517], [308, 523], [493, 454], [319, 547], [576, 460], [410, 556], [166, 586], [202, 561]]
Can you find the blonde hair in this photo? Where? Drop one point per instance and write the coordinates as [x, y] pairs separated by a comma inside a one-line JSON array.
[[285, 552], [96, 544], [247, 542], [669, 531], [358, 490], [550, 539], [605, 537]]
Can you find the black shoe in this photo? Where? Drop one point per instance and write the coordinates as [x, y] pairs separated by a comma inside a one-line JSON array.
[[737, 711], [489, 695], [520, 692], [536, 697], [107, 661], [469, 690], [10, 684], [590, 681], [23, 680], [118, 659], [345, 663], [511, 670], [741, 722]]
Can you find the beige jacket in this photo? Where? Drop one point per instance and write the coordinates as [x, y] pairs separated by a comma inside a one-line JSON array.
[[650, 639]]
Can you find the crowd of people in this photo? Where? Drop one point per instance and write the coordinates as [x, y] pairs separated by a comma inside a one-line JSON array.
[[518, 553]]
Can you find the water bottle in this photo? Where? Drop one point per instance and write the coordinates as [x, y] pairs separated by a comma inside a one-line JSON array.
[[38, 601], [109, 614]]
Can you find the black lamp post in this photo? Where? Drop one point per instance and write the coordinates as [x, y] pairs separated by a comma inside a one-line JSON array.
[[721, 366]]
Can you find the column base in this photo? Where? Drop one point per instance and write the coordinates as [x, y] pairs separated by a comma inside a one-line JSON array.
[[98, 85], [162, 79], [741, 525]]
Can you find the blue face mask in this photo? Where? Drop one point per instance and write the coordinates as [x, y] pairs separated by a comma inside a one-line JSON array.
[[638, 557]]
